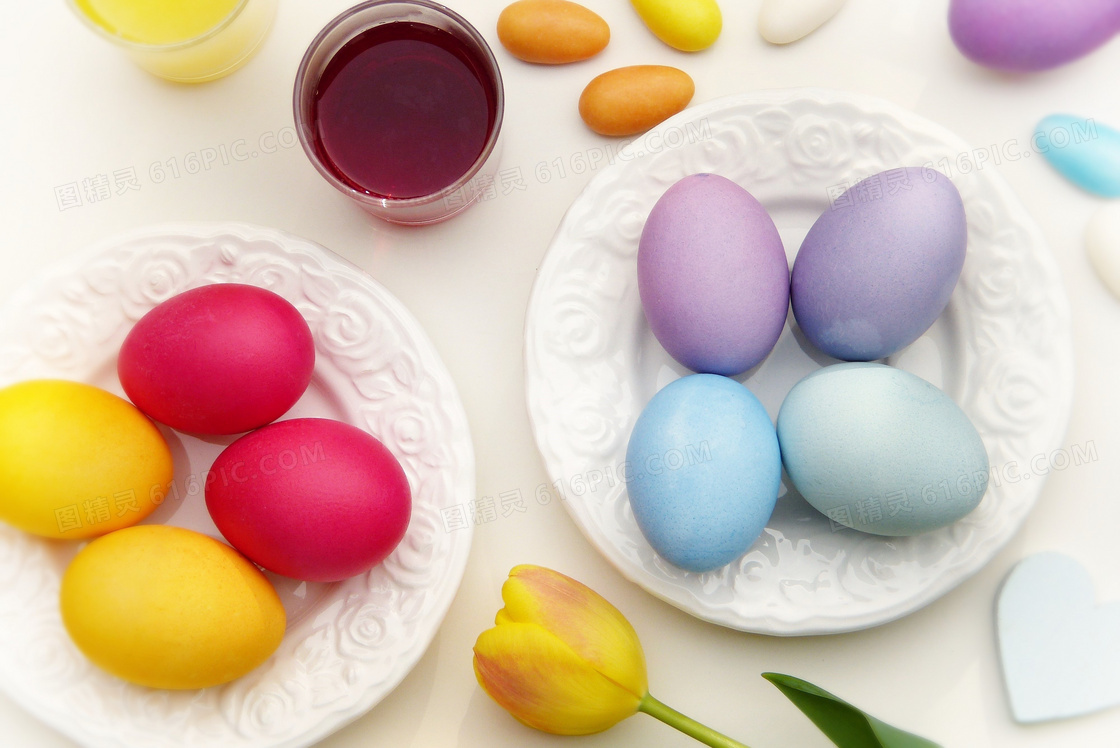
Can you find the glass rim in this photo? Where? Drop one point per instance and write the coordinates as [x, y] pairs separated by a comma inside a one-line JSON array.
[[168, 47], [303, 128]]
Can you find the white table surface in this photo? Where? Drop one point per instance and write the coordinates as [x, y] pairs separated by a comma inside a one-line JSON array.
[[76, 108]]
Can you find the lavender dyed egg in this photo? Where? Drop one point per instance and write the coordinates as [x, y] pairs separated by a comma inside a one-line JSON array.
[[1029, 35], [713, 276], [877, 268]]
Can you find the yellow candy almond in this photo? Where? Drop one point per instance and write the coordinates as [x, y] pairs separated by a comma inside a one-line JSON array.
[[629, 100], [687, 25], [552, 32]]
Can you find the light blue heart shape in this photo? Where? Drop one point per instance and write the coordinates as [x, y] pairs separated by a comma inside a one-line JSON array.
[[1060, 651]]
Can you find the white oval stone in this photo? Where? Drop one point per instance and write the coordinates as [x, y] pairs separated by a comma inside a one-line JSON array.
[[785, 21], [1102, 244]]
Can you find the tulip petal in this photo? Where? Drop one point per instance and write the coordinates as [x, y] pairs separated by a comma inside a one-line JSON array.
[[580, 617], [544, 684]]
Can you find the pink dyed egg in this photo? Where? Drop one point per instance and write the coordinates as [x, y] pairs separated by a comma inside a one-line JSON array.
[[310, 498], [220, 359]]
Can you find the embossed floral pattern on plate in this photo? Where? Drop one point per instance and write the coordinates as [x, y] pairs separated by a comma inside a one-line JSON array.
[[1002, 350]]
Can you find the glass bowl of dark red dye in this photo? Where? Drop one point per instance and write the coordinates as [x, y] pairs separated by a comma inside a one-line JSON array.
[[398, 104]]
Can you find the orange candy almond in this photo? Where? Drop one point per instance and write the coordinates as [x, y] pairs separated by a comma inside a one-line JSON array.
[[551, 32], [630, 100]]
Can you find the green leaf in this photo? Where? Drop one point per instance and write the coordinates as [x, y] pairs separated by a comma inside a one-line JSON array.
[[845, 725]]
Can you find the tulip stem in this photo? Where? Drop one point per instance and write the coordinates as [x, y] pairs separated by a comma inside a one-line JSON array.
[[687, 725]]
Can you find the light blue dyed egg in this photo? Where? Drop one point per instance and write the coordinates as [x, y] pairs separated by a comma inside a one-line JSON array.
[[880, 450], [1086, 152], [703, 471]]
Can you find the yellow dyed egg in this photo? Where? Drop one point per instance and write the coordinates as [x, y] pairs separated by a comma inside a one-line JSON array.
[[166, 607], [76, 461], [687, 25]]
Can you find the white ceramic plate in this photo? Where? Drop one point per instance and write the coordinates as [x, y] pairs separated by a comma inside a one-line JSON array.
[[348, 644], [1002, 350]]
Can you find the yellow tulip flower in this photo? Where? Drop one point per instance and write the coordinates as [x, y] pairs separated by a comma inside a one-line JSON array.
[[563, 660]]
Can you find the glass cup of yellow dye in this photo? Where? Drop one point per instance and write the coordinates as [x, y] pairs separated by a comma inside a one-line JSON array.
[[187, 41]]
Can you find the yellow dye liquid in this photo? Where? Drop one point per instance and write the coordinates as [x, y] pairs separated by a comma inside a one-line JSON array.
[[157, 21], [189, 41]]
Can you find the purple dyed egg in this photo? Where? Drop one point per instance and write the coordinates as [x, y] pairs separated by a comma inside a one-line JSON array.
[[1027, 35], [713, 276], [877, 268]]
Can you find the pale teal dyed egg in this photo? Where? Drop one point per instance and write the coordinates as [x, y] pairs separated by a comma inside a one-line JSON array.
[[703, 471], [881, 450]]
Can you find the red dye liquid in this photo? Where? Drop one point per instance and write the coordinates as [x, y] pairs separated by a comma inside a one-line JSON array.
[[403, 110]]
